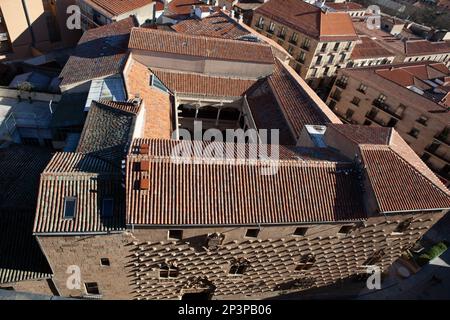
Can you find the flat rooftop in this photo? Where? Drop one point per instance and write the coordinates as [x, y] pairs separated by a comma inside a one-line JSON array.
[[25, 113]]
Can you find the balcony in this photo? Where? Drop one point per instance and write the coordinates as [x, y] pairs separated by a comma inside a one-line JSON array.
[[335, 96], [386, 108], [292, 41], [443, 137], [305, 47], [271, 31], [373, 116], [341, 84], [281, 36], [433, 151]]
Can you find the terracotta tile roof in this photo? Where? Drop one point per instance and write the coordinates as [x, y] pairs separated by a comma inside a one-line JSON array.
[[216, 25], [237, 193], [90, 180], [423, 47], [360, 134], [309, 19], [100, 52], [399, 179], [195, 83], [399, 186], [158, 104], [297, 106], [20, 255], [368, 48], [200, 46], [345, 6], [178, 9], [267, 113], [108, 130], [118, 7]]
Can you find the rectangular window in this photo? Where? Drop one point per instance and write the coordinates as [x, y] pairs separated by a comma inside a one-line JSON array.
[[300, 231], [290, 49], [252, 233], [271, 27], [336, 46], [105, 262], [323, 48], [318, 60], [175, 234], [422, 120], [345, 229], [70, 206], [294, 38], [260, 23], [356, 101], [92, 288], [301, 57], [331, 59], [107, 207], [306, 44], [282, 33], [362, 88], [349, 114], [414, 132]]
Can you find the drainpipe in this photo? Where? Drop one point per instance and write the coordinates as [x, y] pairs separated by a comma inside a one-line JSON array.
[[33, 39]]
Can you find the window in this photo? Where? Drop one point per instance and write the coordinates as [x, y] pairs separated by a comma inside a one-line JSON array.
[[175, 234], [342, 58], [362, 88], [168, 271], [381, 98], [252, 233], [349, 114], [238, 267], [282, 32], [300, 231], [306, 43], [331, 59], [323, 48], [318, 60], [414, 132], [271, 27], [107, 207], [336, 46], [70, 206], [290, 49], [294, 38], [301, 57], [375, 258], [105, 262], [403, 226], [425, 156], [422, 120], [260, 23], [356, 101], [306, 262], [347, 47], [91, 288], [346, 229]]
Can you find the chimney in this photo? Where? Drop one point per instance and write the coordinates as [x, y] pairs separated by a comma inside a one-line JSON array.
[[144, 165], [144, 184], [232, 13], [143, 148]]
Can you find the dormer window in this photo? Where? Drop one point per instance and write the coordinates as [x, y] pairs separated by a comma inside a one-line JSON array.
[[107, 207], [70, 206]]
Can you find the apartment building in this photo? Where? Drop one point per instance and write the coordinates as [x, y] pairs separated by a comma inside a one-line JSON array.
[[97, 13], [412, 98], [32, 27], [141, 221], [321, 41], [395, 37], [368, 52]]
